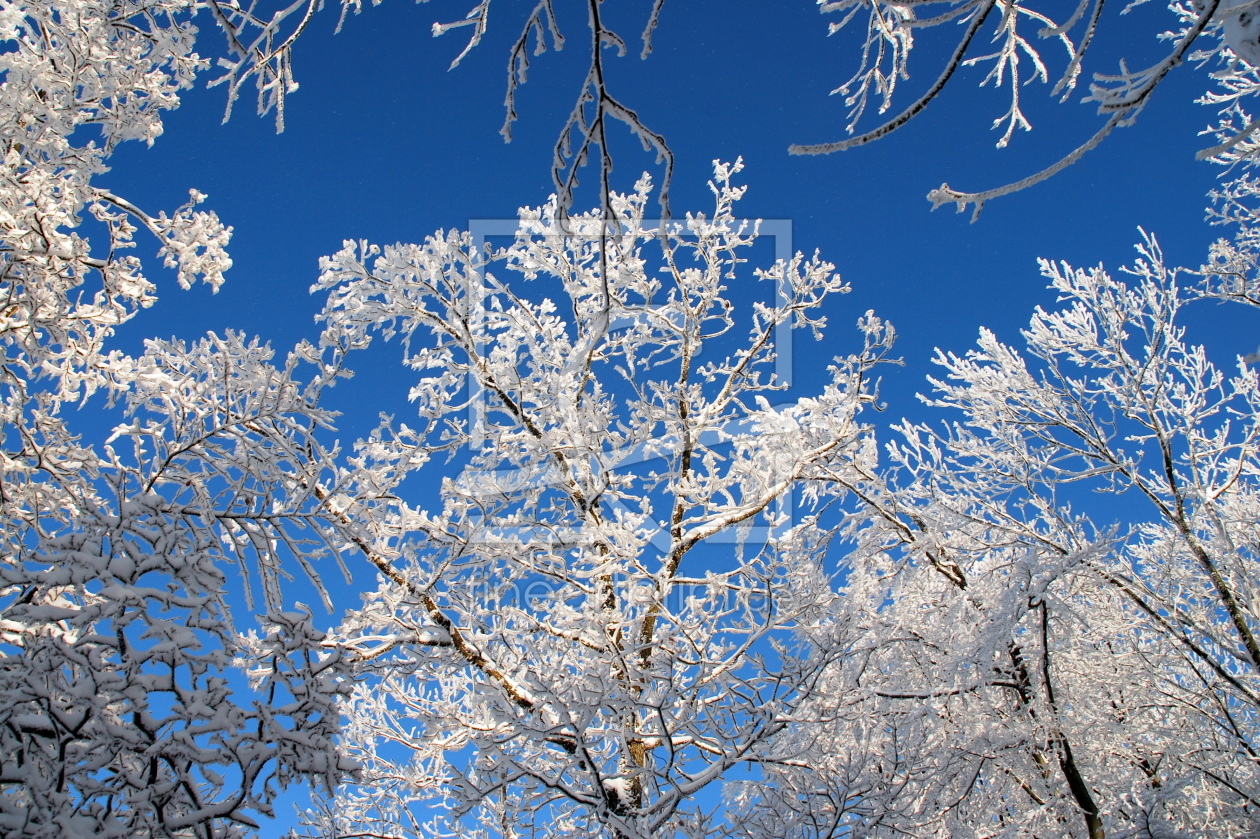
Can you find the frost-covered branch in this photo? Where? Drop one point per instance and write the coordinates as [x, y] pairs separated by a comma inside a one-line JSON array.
[[1224, 30], [585, 131], [540, 643], [1088, 680]]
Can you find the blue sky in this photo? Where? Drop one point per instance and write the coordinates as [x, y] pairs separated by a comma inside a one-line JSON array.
[[384, 143]]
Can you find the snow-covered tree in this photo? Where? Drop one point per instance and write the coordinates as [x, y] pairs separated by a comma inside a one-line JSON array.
[[118, 716], [1039, 659], [633, 595], [612, 608]]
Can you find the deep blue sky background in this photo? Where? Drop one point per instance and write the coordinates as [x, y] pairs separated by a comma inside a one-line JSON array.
[[383, 143]]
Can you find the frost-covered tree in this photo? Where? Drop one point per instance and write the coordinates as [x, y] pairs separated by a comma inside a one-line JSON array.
[[118, 712], [612, 607], [1040, 659], [961, 642], [631, 597]]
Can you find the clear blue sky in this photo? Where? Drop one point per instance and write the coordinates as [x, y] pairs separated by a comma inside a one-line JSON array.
[[383, 143]]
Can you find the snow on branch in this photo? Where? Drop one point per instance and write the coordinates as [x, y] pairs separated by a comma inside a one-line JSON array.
[[550, 634]]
